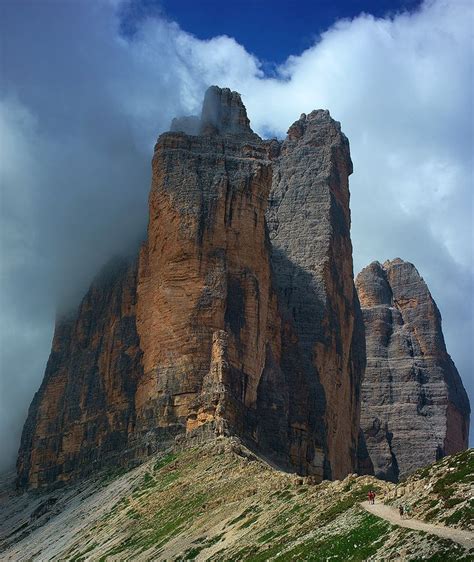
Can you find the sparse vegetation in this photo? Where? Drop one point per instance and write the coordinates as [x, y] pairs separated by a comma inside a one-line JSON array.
[[357, 544], [165, 460], [212, 503], [440, 492]]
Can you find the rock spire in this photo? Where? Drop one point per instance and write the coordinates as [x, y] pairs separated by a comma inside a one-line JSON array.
[[414, 407]]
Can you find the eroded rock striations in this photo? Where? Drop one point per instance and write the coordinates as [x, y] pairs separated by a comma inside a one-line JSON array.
[[240, 315], [309, 226], [414, 407], [84, 408]]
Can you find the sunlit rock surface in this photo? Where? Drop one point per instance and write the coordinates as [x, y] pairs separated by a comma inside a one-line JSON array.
[[239, 317]]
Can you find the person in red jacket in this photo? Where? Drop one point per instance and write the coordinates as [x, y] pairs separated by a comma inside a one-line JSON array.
[[371, 496]]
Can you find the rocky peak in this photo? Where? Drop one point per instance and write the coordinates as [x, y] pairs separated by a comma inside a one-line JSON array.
[[231, 322], [311, 121], [240, 317], [319, 129], [414, 407], [223, 113], [373, 287], [308, 221]]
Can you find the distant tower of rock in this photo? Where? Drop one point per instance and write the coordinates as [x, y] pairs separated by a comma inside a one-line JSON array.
[[414, 406]]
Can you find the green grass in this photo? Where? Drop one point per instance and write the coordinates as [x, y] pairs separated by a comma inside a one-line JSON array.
[[158, 481], [249, 511], [166, 524], [81, 556], [452, 502], [266, 537], [249, 522], [156, 529], [191, 553], [356, 545], [432, 513], [167, 459], [299, 525], [463, 463], [447, 551], [346, 503], [464, 516]]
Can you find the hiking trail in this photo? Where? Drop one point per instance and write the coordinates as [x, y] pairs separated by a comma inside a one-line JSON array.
[[390, 514]]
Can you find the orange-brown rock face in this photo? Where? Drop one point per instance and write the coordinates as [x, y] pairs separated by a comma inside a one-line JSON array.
[[241, 314], [414, 407], [204, 279], [84, 409]]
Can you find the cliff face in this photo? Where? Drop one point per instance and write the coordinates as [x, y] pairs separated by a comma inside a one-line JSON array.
[[414, 406], [84, 408], [309, 227], [204, 275], [241, 316]]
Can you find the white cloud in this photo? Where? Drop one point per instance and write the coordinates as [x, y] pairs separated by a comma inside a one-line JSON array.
[[81, 107]]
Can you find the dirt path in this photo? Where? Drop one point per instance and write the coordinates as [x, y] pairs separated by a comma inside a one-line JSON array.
[[390, 514]]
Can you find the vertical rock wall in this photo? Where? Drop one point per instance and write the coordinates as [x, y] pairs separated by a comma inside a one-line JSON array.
[[84, 409], [414, 407], [204, 275], [309, 226], [240, 317]]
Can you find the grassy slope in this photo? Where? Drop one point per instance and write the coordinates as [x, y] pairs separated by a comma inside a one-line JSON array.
[[220, 503], [442, 492]]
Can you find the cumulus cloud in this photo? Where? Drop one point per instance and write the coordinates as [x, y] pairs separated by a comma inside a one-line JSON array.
[[81, 105]]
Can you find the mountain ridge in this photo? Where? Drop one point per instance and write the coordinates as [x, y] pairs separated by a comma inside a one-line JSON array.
[[219, 501]]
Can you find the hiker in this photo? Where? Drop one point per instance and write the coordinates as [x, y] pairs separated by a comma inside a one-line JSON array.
[[400, 510], [372, 497], [407, 509]]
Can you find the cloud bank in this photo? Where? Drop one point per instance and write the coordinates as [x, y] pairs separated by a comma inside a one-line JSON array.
[[81, 106]]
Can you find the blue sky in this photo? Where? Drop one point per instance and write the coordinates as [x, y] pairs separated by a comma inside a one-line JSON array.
[[270, 29], [87, 86]]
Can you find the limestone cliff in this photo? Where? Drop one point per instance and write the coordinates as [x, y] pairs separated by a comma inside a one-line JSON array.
[[240, 316], [414, 407], [204, 291], [84, 408], [309, 227]]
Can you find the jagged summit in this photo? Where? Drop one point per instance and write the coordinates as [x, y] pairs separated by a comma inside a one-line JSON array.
[[223, 113]]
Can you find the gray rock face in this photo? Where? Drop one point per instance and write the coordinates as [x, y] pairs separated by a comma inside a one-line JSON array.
[[309, 226], [84, 409], [223, 113], [414, 407]]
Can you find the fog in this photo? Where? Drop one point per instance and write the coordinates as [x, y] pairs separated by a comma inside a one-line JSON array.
[[81, 106]]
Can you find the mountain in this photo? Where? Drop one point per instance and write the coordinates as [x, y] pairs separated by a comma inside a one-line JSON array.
[[218, 501], [238, 317], [414, 407]]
